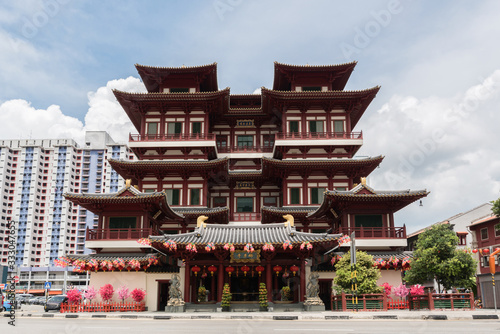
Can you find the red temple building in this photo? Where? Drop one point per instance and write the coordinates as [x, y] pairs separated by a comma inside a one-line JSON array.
[[218, 171]]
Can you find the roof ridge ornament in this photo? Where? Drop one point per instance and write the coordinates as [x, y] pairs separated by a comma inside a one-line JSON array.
[[200, 221], [289, 220]]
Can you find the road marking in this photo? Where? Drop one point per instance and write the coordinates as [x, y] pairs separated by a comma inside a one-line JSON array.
[[315, 329]]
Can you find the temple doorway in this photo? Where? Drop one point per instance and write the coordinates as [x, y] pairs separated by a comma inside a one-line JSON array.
[[162, 299], [245, 288]]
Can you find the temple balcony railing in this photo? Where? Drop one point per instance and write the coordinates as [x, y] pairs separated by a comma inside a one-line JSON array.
[[318, 135], [118, 233], [245, 216], [171, 137], [374, 232], [245, 149]]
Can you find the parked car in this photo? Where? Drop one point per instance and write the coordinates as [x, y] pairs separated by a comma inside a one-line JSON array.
[[32, 300], [55, 302], [40, 300], [23, 298]]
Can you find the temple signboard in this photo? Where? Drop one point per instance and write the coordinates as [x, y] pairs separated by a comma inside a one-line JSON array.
[[240, 256]]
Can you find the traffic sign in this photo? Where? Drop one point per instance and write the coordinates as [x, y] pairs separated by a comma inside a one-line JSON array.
[[15, 279], [47, 285]]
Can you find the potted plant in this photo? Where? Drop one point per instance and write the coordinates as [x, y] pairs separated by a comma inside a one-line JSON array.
[[226, 298], [263, 297], [285, 293], [202, 294]]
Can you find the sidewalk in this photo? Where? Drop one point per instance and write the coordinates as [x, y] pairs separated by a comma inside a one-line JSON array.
[[486, 314]]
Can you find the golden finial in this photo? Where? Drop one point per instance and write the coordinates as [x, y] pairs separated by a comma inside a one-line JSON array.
[[128, 183]]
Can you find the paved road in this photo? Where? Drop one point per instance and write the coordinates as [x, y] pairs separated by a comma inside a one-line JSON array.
[[109, 326]]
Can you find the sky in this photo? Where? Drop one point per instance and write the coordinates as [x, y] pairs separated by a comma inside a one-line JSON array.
[[435, 118]]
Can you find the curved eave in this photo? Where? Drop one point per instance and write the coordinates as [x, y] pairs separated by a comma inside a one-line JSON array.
[[220, 214], [152, 75], [395, 201], [338, 74], [240, 235], [363, 167], [272, 214], [127, 168], [93, 201]]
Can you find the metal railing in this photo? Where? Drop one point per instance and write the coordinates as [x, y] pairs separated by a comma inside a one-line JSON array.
[[244, 149], [118, 234], [374, 232], [319, 135], [172, 137]]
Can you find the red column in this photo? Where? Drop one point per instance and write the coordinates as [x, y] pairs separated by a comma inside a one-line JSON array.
[[302, 280], [269, 282], [187, 284], [220, 282], [212, 289]]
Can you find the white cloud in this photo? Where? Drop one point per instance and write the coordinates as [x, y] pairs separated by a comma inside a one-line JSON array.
[[447, 145], [106, 114], [21, 120]]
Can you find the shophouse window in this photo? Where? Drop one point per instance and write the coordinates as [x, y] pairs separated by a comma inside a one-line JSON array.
[[196, 127], [244, 204], [339, 126], [497, 230], [293, 126], [152, 128], [294, 195], [315, 126], [219, 201], [317, 195], [173, 196], [270, 201], [368, 220], [311, 89], [484, 233], [245, 141], [122, 222], [195, 196], [179, 90], [174, 128]]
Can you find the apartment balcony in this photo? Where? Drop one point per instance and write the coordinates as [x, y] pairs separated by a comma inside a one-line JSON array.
[[117, 239], [376, 237]]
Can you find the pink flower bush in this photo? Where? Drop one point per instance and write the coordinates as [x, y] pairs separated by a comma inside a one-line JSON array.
[[123, 293], [401, 291], [138, 295], [106, 292], [74, 296], [387, 288], [90, 293], [416, 290]]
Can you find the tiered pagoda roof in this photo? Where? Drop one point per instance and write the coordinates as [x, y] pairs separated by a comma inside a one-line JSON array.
[[153, 77], [135, 169], [335, 75], [351, 167], [354, 102], [129, 196], [240, 235], [135, 104], [363, 197]]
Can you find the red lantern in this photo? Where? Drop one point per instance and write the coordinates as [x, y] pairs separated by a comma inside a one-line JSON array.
[[212, 269], [486, 250], [294, 269], [245, 269], [259, 269], [229, 270], [474, 251], [277, 269], [195, 270]]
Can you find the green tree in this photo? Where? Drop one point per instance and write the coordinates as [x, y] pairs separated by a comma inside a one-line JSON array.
[[437, 257], [496, 210], [367, 274]]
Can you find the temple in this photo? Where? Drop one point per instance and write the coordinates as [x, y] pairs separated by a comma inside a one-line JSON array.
[[241, 189]]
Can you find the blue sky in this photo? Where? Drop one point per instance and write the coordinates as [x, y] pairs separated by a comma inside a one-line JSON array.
[[434, 119]]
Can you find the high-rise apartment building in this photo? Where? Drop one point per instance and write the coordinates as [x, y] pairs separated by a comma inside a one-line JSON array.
[[34, 175]]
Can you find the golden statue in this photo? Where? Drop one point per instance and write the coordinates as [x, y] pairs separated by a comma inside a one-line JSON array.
[[201, 220], [289, 219]]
